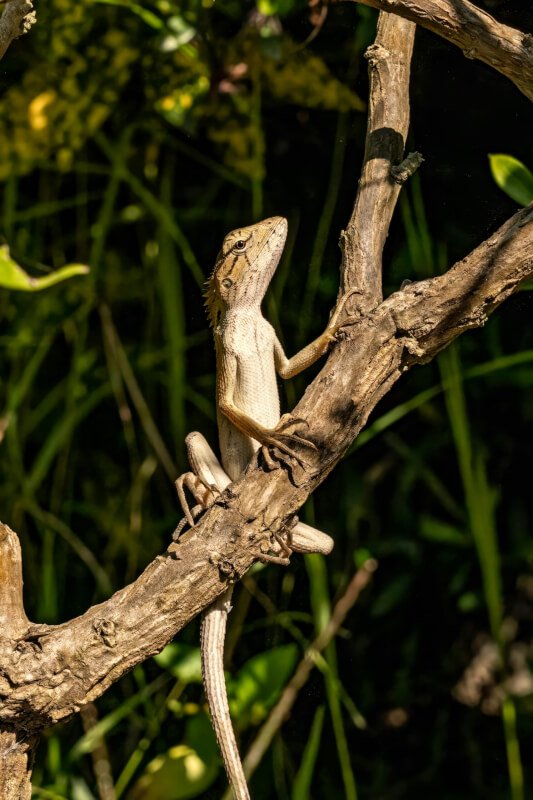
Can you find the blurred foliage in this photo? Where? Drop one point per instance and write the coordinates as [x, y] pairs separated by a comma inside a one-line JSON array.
[[133, 137]]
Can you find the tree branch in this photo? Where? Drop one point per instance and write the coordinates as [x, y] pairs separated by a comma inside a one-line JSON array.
[[389, 61], [17, 18], [477, 33], [77, 661]]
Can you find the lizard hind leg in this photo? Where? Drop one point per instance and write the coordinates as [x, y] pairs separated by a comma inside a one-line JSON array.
[[202, 493], [206, 480]]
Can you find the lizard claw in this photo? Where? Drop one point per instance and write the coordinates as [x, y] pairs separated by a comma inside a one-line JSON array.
[[334, 327], [286, 420], [281, 441]]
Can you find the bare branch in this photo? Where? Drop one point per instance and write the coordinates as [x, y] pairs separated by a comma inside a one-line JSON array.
[[477, 33], [283, 707], [388, 120], [17, 18], [79, 660]]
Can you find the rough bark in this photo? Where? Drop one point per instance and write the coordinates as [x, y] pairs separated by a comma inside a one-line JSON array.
[[50, 671], [477, 33], [13, 619], [17, 18], [17, 749]]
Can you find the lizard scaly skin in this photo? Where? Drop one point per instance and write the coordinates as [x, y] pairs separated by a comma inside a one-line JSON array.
[[248, 356]]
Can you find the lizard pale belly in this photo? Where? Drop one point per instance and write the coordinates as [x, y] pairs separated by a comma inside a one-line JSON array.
[[249, 340]]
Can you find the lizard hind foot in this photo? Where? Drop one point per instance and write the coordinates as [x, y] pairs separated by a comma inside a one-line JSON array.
[[204, 493]]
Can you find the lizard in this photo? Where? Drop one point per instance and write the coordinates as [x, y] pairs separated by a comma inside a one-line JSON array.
[[248, 356]]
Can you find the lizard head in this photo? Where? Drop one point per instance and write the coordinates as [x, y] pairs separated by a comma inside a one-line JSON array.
[[245, 265]]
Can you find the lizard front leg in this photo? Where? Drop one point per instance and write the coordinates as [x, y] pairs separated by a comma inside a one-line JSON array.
[[269, 437]]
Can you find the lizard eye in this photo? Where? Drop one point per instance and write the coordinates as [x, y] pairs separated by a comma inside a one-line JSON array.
[[227, 282], [240, 246]]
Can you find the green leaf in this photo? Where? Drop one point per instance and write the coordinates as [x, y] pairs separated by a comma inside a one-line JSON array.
[[257, 686], [181, 660], [278, 7], [12, 276], [469, 601], [437, 531], [175, 775], [513, 177]]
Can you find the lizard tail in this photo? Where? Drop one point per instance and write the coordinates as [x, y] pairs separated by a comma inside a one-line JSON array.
[[212, 635]]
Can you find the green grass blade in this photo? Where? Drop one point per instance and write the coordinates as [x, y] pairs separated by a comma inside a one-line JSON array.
[[324, 223], [171, 298], [321, 606], [159, 211], [403, 409], [90, 740], [301, 789], [480, 505], [514, 761], [60, 434]]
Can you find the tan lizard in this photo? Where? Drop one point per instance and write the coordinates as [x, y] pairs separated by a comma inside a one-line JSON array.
[[248, 356]]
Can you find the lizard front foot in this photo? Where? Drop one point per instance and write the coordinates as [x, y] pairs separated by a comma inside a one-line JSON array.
[[277, 443]]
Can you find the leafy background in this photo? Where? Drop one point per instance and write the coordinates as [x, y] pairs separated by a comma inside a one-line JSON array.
[[133, 137]]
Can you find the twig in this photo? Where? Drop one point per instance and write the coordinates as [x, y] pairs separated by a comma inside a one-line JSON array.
[[281, 710], [99, 755]]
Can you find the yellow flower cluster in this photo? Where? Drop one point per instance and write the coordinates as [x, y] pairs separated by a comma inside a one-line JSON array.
[[57, 105], [65, 95]]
